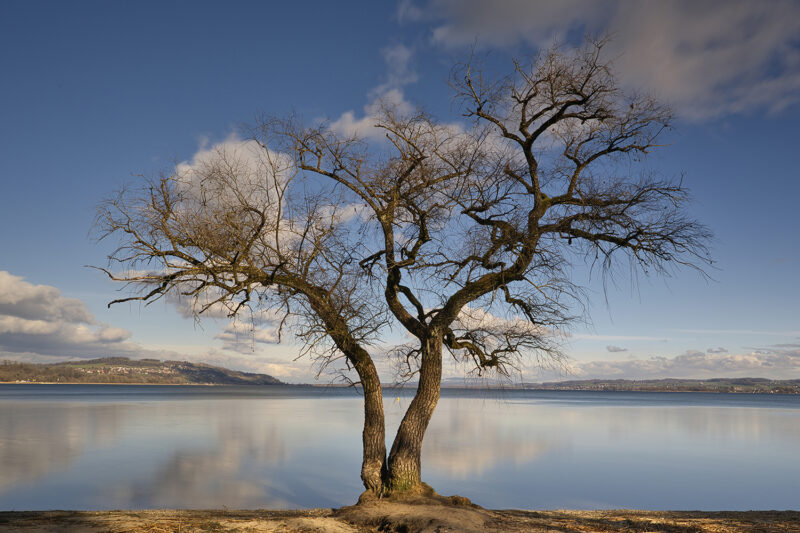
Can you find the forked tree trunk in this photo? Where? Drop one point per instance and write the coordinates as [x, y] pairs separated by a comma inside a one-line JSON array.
[[404, 465]]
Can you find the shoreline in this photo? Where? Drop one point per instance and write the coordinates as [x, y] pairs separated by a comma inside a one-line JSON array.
[[118, 383], [391, 387], [396, 516]]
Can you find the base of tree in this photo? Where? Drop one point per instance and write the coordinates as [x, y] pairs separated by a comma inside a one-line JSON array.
[[421, 510]]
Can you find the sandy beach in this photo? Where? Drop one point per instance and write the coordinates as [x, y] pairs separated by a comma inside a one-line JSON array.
[[400, 517]]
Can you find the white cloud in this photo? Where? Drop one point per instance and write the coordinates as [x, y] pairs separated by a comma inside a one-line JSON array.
[[708, 58], [389, 94], [187, 307], [775, 363], [349, 125], [471, 318], [37, 319], [399, 71], [243, 337], [23, 300], [221, 178], [614, 349], [240, 168], [277, 361]]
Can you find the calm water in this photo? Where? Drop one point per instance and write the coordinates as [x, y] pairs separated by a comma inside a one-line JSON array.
[[128, 447]]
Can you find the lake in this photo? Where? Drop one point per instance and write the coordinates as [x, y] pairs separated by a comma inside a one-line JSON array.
[[135, 447]]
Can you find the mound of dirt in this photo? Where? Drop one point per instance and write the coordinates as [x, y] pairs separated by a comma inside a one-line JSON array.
[[454, 514]]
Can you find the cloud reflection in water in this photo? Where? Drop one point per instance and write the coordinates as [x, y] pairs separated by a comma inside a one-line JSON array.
[[247, 450]]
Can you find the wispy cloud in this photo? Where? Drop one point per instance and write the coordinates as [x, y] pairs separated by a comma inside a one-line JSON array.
[[243, 338], [587, 336], [614, 349], [708, 58], [738, 332], [387, 94]]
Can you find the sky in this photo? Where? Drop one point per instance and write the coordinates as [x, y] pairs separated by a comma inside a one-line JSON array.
[[94, 95]]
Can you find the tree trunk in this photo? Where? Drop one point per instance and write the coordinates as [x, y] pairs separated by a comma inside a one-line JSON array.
[[405, 462], [373, 466]]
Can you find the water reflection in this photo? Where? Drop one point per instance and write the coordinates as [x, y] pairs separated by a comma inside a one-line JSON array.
[[38, 439], [218, 472], [470, 437], [214, 449], [656, 457]]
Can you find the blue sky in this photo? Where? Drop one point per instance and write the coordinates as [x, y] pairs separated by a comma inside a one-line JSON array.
[[94, 93]]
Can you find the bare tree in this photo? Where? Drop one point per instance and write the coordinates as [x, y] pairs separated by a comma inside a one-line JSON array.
[[468, 230], [228, 233]]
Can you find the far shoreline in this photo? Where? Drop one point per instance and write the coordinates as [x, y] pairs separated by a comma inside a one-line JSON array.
[[125, 371], [410, 387], [98, 383]]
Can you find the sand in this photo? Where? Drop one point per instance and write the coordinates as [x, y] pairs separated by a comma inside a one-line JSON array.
[[392, 516]]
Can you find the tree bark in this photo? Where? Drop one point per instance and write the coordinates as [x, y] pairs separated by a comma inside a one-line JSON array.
[[405, 459], [373, 465]]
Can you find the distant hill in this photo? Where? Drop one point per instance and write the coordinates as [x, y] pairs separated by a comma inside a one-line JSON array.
[[124, 370], [744, 385]]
